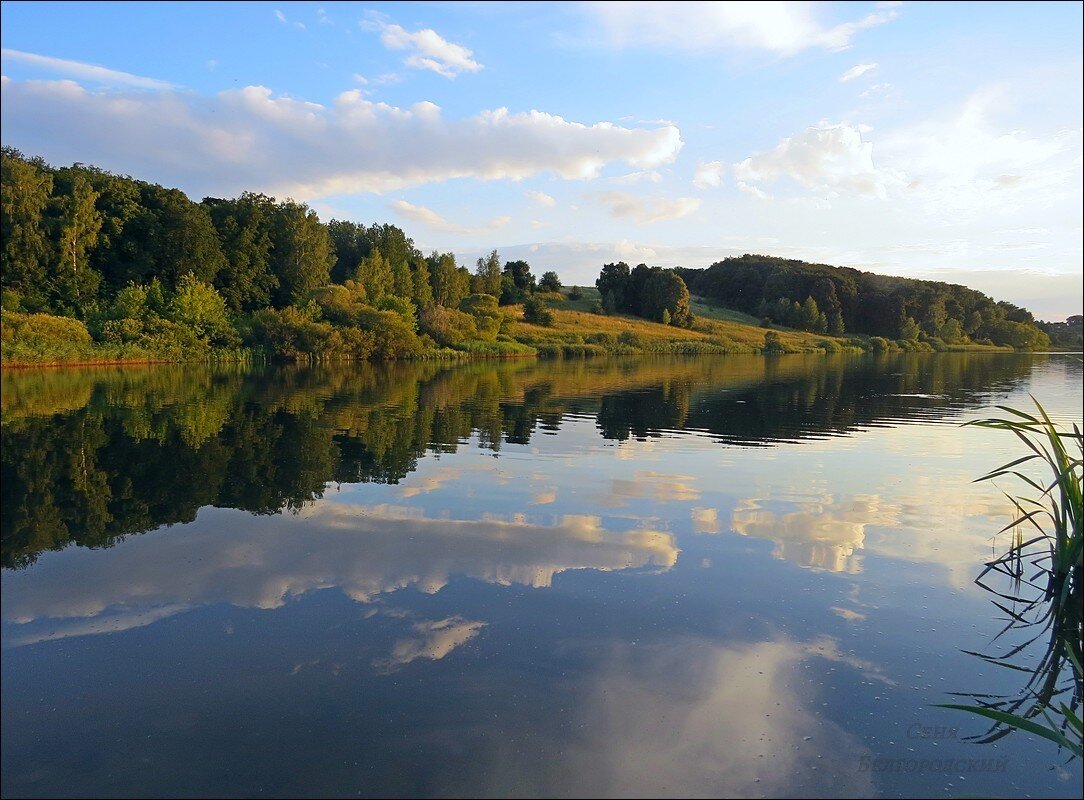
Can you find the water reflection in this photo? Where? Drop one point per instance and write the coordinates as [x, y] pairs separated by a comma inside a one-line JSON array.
[[824, 534], [690, 577], [92, 455], [365, 551]]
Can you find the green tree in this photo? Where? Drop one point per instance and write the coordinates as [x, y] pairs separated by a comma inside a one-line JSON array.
[[550, 282], [952, 331], [421, 285], [487, 316], [351, 244], [244, 229], [517, 282], [24, 241], [374, 273], [909, 329], [535, 312], [76, 223], [613, 281], [450, 285], [200, 308], [488, 272], [301, 255], [661, 290]]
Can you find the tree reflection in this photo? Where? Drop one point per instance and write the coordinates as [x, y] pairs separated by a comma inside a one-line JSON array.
[[90, 456]]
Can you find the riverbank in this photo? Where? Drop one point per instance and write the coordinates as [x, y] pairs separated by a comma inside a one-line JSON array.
[[39, 341]]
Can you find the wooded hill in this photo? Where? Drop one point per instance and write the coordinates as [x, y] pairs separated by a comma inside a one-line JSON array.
[[838, 300]]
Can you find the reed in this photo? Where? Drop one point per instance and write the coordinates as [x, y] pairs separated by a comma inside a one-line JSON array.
[[1043, 571]]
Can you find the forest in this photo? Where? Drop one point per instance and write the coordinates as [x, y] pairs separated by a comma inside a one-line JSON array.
[[101, 267], [839, 300]]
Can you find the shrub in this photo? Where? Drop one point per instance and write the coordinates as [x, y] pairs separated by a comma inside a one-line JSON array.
[[605, 340], [448, 326], [535, 312], [772, 343]]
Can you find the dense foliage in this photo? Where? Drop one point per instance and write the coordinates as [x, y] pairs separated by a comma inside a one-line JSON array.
[[96, 267], [651, 292], [836, 300], [1068, 334]]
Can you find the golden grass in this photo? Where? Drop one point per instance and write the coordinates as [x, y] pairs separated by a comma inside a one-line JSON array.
[[570, 324]]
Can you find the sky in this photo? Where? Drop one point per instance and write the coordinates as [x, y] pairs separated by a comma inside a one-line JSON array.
[[932, 140]]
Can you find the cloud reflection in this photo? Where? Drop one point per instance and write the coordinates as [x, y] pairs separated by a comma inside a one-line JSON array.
[[824, 534], [261, 562]]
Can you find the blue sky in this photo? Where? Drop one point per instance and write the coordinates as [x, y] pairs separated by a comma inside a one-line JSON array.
[[934, 140]]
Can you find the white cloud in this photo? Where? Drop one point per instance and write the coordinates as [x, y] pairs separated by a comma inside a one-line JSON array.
[[709, 175], [856, 71], [428, 50], [783, 28], [250, 139], [966, 164], [426, 216], [282, 18], [541, 198], [646, 211], [756, 191], [88, 72], [648, 175], [970, 162], [360, 79], [823, 158], [876, 89]]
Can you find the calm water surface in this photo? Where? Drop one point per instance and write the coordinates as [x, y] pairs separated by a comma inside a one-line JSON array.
[[710, 576]]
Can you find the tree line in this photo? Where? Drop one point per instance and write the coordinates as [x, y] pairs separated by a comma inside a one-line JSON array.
[[142, 265], [838, 300]]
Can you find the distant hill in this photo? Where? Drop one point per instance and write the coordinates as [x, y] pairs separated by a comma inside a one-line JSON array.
[[840, 300]]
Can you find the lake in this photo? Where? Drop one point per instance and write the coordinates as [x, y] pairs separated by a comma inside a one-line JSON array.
[[653, 576]]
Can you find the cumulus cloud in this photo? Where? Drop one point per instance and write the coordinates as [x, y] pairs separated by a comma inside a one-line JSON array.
[[645, 211], [709, 175], [541, 198], [824, 158], [426, 216], [86, 72], [968, 163], [782, 28], [251, 139], [856, 71], [427, 50]]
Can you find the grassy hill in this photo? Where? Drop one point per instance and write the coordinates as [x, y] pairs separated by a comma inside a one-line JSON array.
[[578, 329]]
